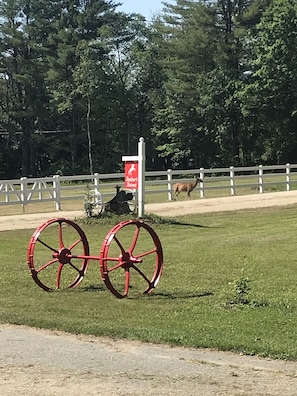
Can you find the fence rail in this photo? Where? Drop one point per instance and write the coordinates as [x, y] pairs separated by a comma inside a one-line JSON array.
[[58, 189]]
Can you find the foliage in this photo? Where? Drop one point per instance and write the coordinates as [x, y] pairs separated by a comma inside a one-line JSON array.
[[270, 90], [206, 84], [240, 289]]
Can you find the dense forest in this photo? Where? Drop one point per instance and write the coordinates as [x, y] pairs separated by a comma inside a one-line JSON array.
[[206, 83]]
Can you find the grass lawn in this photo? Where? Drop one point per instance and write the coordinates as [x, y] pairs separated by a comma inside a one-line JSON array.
[[229, 282]]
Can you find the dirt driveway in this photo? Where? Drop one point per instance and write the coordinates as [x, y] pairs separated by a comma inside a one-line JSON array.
[[167, 209], [38, 362]]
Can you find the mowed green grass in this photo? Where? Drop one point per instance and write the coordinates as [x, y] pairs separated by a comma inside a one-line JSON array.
[[195, 303]]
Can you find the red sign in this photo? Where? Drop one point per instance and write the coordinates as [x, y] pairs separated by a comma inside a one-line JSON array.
[[131, 175]]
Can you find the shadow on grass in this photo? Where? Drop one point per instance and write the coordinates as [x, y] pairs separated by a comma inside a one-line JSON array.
[[148, 218], [93, 288], [180, 223], [155, 295], [154, 219], [180, 294]]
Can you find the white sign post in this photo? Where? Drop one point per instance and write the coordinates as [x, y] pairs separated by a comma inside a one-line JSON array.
[[140, 181]]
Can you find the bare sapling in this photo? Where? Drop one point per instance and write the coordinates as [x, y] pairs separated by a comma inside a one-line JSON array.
[[187, 187]]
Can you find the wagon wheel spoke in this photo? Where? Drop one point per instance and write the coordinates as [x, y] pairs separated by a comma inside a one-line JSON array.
[[119, 265], [131, 259], [152, 251], [67, 265], [79, 271], [46, 245], [138, 269], [127, 282], [134, 240], [75, 244], [46, 265], [141, 274], [59, 272], [119, 244], [60, 235]]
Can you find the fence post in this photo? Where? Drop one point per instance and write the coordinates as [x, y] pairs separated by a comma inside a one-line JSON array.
[[201, 176], [232, 180], [169, 184], [96, 184], [57, 191], [141, 176], [261, 189], [7, 193], [24, 192], [288, 171]]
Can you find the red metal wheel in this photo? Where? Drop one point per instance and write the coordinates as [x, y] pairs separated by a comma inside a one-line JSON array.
[[68, 260], [130, 252]]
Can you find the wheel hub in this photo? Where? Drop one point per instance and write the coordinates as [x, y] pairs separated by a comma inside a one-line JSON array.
[[63, 255]]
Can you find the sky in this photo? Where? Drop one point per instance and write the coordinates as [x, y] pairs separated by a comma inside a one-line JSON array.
[[147, 8]]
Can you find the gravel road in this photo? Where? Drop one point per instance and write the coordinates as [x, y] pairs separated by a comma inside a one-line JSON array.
[[39, 362], [167, 209]]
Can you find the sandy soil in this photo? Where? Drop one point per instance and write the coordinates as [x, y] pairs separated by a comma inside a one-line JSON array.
[[167, 209], [36, 362]]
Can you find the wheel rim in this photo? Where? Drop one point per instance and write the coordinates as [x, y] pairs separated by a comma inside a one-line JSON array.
[[98, 204], [58, 263], [132, 203], [131, 259], [93, 203]]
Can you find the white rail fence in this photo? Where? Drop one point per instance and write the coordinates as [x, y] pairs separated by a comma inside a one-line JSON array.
[[57, 188]]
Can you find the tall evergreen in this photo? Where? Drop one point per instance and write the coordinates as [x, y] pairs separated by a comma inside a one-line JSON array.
[[22, 65], [270, 92], [187, 48], [207, 83], [203, 46]]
